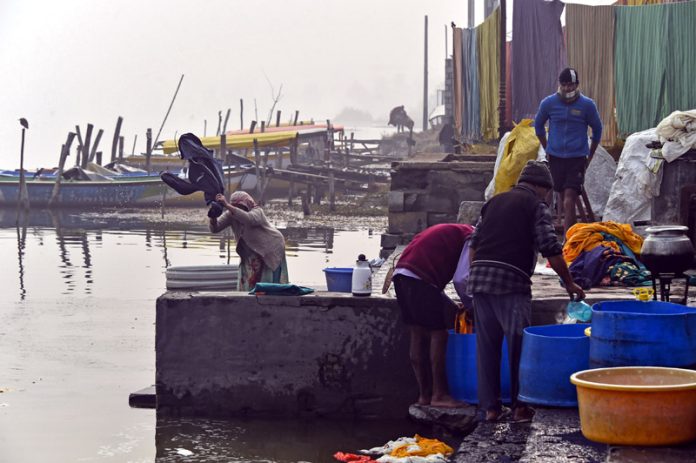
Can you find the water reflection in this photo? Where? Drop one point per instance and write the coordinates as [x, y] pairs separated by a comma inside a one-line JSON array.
[[83, 253], [21, 244], [276, 441]]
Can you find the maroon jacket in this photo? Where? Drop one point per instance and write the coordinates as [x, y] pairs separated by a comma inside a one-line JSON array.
[[433, 254]]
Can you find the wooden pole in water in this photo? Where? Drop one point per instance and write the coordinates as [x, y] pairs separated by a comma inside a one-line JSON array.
[[278, 118], [332, 191], [84, 159], [252, 126], [257, 161], [227, 118], [168, 110], [64, 153], [117, 133], [148, 149], [23, 197], [121, 141], [99, 158], [241, 114], [205, 127], [135, 139], [263, 126], [95, 145], [80, 143], [297, 115]]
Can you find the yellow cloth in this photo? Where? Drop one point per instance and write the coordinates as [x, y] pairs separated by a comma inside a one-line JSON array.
[[422, 448], [587, 236], [522, 145], [488, 48]]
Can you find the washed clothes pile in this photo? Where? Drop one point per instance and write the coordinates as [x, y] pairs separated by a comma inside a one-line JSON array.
[[605, 254], [415, 449]]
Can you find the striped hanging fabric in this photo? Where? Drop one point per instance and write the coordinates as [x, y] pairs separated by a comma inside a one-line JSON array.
[[654, 65], [590, 44], [457, 78], [538, 54], [471, 107], [488, 49]]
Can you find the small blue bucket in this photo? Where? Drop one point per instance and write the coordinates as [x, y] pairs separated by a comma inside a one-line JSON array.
[[462, 376], [550, 354], [339, 279]]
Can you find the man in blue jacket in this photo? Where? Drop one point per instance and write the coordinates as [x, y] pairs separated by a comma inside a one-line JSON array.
[[569, 114]]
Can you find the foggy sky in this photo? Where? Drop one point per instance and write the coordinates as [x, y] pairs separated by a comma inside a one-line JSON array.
[[68, 62]]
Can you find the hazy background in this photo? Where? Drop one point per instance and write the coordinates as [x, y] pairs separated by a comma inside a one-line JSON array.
[[72, 62], [68, 62]]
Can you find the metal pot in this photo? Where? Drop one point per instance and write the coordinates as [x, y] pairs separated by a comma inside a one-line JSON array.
[[667, 249]]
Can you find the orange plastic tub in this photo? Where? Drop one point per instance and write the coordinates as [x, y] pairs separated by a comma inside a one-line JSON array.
[[637, 405]]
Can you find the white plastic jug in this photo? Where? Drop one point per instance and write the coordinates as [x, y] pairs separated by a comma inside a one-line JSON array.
[[361, 285]]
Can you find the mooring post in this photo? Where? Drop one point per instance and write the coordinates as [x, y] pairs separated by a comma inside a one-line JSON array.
[[148, 149], [95, 145], [23, 198], [64, 153], [297, 115], [257, 161], [115, 142], [241, 114], [84, 159], [278, 118], [263, 126], [332, 191], [121, 141]]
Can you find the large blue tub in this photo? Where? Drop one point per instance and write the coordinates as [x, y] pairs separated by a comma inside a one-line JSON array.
[[462, 376], [635, 333], [550, 354]]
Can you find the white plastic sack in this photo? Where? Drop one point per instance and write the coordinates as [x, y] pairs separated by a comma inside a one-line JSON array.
[[677, 132], [635, 185]]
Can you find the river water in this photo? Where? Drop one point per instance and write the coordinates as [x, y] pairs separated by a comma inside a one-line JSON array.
[[77, 314]]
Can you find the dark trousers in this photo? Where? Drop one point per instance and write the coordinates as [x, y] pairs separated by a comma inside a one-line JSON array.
[[497, 316]]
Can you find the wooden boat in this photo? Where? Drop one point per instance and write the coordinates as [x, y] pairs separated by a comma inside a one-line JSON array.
[[121, 192]]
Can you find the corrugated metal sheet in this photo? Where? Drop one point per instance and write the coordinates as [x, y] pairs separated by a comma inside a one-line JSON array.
[[538, 54], [488, 49], [590, 41]]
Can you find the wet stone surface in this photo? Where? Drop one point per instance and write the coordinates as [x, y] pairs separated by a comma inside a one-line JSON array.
[[553, 436], [459, 421]]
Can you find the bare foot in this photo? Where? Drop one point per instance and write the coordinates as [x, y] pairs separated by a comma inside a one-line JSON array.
[[423, 400], [447, 402]]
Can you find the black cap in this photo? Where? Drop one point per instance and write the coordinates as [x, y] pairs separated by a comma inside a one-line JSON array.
[[536, 173], [568, 76]]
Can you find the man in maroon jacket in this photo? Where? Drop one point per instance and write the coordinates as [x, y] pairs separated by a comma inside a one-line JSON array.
[[434, 257]]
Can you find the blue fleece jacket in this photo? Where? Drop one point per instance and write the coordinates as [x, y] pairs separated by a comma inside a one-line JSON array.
[[568, 125]]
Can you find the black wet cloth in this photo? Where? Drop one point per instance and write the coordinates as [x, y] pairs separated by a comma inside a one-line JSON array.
[[203, 173]]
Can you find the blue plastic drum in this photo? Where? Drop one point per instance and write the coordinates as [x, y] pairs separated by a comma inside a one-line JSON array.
[[550, 354], [635, 333], [462, 375]]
